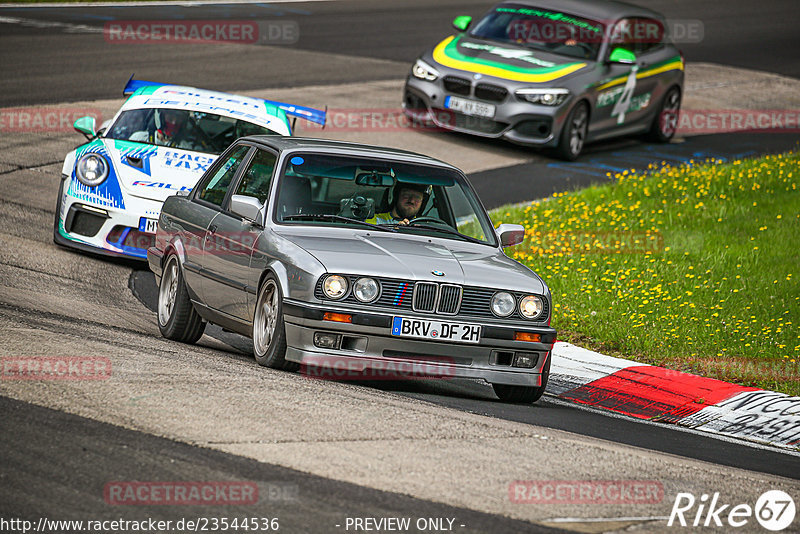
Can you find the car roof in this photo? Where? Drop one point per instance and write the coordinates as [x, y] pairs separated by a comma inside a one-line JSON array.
[[600, 10], [292, 144]]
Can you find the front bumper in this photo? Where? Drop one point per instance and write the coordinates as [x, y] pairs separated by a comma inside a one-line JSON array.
[[367, 344], [514, 120], [102, 229]]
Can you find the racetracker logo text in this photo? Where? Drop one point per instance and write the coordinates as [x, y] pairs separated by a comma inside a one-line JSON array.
[[266, 32], [181, 493], [44, 119], [56, 368], [585, 492]]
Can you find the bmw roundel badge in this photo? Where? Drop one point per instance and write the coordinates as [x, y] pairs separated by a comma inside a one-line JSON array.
[[437, 273]]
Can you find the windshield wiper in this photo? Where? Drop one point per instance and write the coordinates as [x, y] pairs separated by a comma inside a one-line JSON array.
[[331, 217], [445, 229]]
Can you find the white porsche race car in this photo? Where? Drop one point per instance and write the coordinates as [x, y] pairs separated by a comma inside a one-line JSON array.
[[160, 142]]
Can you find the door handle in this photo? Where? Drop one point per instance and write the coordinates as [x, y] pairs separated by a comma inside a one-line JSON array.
[[211, 231]]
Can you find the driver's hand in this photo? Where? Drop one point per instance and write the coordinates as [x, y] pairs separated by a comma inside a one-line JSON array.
[[404, 222]]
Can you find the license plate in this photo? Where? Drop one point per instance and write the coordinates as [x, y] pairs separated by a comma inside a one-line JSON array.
[[439, 330], [148, 226], [469, 107]]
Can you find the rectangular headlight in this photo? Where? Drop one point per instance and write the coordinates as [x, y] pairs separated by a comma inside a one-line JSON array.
[[423, 71]]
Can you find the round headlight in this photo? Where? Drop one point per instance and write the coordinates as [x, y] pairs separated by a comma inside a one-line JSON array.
[[531, 306], [503, 304], [91, 170], [366, 289], [334, 286]]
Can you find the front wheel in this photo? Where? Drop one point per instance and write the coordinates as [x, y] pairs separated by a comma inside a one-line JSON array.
[[573, 134], [269, 332], [665, 124], [177, 318], [524, 394]]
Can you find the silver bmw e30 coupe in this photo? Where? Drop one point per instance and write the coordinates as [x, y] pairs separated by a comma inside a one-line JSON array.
[[346, 256]]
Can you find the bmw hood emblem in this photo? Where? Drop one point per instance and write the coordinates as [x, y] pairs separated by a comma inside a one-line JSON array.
[[437, 273]]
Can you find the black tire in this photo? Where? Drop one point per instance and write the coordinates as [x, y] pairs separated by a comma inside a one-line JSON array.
[[524, 394], [665, 123], [269, 331], [177, 318], [573, 134]]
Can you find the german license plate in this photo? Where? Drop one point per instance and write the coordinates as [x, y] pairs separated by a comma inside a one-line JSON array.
[[469, 107], [148, 226], [439, 330]]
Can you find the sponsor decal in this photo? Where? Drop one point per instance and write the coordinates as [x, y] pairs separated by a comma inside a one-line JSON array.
[[510, 53]]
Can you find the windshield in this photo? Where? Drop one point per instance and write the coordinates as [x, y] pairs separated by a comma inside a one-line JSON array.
[[331, 190], [178, 128], [542, 29]]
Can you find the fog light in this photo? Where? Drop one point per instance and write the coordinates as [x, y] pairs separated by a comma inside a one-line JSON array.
[[325, 340], [526, 359], [527, 336]]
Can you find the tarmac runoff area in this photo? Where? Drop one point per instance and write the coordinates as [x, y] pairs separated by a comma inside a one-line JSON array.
[[57, 303]]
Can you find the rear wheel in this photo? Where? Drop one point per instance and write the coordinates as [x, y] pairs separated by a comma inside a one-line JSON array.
[[665, 124], [573, 134], [269, 332], [523, 394], [177, 318]]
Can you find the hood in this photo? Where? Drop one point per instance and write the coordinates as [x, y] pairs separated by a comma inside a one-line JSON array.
[[504, 60], [156, 172], [412, 257]]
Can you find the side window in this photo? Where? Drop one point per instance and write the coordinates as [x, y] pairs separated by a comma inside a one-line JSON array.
[[213, 188], [637, 35], [258, 177]]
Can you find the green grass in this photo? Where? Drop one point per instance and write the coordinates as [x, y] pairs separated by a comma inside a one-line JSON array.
[[692, 268]]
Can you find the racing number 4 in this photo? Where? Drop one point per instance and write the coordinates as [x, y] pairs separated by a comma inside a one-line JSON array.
[[624, 102]]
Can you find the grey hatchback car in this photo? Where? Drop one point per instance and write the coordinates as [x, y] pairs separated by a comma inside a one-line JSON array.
[[552, 73], [298, 244]]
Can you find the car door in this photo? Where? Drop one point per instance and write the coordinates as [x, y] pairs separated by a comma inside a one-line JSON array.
[[625, 94], [207, 199], [227, 263]]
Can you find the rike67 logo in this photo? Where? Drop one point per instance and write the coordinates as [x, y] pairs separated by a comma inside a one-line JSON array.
[[774, 510]]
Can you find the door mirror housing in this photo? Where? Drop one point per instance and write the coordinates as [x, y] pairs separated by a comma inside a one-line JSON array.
[[621, 55], [86, 126], [248, 208], [461, 23], [510, 234]]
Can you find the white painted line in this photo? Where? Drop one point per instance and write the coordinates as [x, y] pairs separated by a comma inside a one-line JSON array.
[[184, 3], [602, 519], [33, 23]]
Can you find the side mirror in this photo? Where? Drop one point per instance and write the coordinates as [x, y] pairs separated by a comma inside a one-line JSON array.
[[86, 126], [461, 23], [510, 234], [621, 55], [247, 207]]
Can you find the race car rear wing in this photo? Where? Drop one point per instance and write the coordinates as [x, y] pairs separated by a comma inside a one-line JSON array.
[[310, 114]]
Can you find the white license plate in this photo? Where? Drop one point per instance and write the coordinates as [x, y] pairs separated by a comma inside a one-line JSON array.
[[469, 107], [148, 226], [439, 330]]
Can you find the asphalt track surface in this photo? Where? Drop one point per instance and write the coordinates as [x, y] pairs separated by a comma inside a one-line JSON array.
[[61, 64]]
